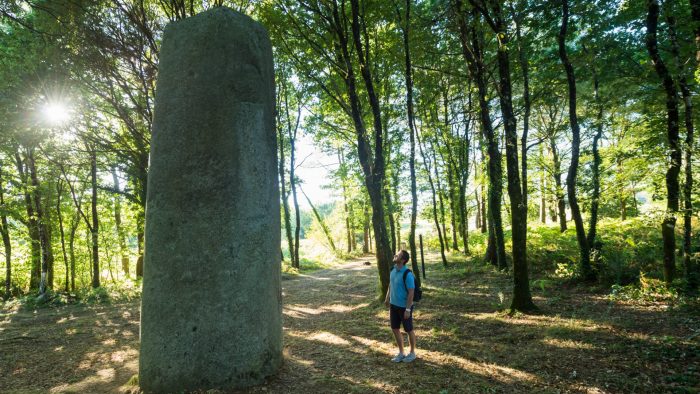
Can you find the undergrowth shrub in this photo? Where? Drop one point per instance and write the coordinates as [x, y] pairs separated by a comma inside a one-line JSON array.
[[648, 289]]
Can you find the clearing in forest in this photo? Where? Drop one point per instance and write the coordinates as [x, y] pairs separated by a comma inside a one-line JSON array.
[[337, 340]]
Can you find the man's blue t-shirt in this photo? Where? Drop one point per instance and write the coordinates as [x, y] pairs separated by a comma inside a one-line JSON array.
[[399, 295]]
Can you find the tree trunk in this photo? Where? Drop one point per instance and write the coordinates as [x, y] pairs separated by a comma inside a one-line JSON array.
[[543, 199], [292, 135], [141, 181], [32, 224], [438, 191], [587, 271], [464, 220], [623, 206], [140, 222], [473, 54], [477, 218], [688, 262], [451, 168], [595, 198], [297, 212], [522, 299], [59, 213], [365, 241], [5, 232], [285, 200], [390, 219], [95, 227], [285, 197], [74, 223], [426, 164], [321, 222], [672, 184], [43, 226], [118, 222], [526, 114], [348, 228], [408, 76], [483, 210], [374, 174], [556, 161]]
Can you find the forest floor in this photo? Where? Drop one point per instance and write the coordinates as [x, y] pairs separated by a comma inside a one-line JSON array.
[[337, 340]]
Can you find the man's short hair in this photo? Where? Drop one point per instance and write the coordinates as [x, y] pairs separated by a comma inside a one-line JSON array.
[[405, 255]]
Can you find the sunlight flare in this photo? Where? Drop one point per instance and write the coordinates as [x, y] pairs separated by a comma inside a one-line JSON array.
[[56, 113]]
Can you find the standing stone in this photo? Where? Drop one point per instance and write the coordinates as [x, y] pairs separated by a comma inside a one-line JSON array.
[[211, 309]]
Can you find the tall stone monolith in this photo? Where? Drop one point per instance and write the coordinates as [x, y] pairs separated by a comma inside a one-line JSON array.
[[211, 308]]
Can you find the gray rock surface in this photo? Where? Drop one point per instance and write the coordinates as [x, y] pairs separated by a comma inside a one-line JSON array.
[[211, 309]]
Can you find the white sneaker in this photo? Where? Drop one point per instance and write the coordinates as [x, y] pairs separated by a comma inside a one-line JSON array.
[[399, 357], [409, 357]]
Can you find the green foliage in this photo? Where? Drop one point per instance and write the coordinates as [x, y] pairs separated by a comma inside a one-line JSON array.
[[648, 289]]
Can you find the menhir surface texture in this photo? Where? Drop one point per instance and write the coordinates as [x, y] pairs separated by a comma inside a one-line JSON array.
[[211, 308]]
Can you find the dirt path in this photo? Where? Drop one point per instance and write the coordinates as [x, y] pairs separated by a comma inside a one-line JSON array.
[[337, 341]]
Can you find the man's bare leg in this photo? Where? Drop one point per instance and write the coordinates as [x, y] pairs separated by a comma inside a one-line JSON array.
[[399, 339], [412, 340]]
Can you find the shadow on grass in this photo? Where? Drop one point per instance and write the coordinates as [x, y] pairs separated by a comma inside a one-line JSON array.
[[337, 339], [73, 348]]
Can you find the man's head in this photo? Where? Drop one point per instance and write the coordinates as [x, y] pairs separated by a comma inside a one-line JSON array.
[[402, 257]]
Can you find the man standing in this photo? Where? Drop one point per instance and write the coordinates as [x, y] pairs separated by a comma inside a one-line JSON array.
[[399, 299]]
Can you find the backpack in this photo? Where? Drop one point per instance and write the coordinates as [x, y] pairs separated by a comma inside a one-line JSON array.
[[417, 292]]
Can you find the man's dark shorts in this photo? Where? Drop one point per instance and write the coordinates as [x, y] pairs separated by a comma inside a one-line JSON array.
[[396, 316]]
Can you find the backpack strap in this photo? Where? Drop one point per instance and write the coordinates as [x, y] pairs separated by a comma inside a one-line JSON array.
[[405, 274]]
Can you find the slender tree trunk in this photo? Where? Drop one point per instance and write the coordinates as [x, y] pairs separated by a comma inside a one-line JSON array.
[[5, 232], [75, 221], [95, 227], [483, 210], [473, 54], [292, 136], [32, 224], [141, 181], [397, 211], [453, 212], [623, 206], [426, 164], [561, 205], [689, 144], [595, 198], [439, 191], [365, 243], [477, 219], [140, 223], [451, 167], [295, 201], [374, 174], [587, 271], [552, 211], [353, 227], [59, 213], [522, 299], [672, 185], [408, 76], [285, 199], [688, 262], [348, 228], [527, 108], [45, 242], [464, 220], [321, 222], [118, 222], [390, 219], [543, 199]]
